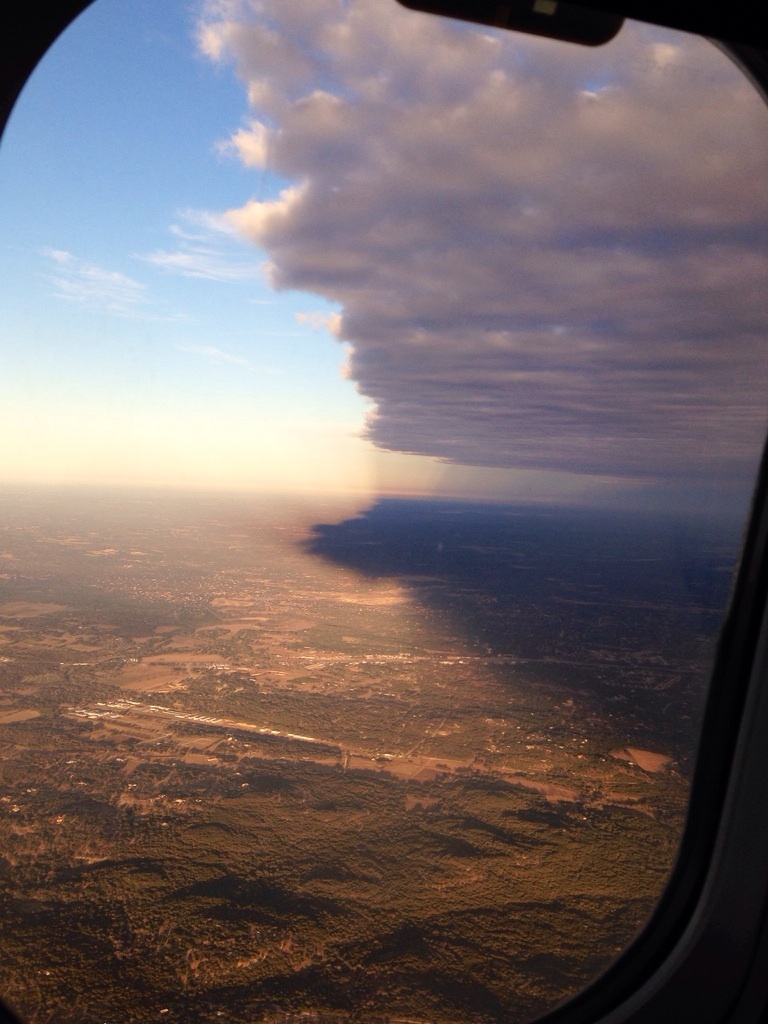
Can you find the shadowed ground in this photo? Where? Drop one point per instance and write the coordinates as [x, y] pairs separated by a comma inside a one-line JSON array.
[[627, 603]]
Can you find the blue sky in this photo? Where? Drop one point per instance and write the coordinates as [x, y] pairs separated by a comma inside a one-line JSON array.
[[117, 368], [426, 259]]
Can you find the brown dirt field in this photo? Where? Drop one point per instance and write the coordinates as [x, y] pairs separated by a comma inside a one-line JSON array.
[[23, 715], [206, 742], [296, 625], [182, 659], [29, 610], [645, 759], [162, 671], [229, 627], [205, 759], [417, 769], [552, 794], [148, 679], [115, 732]]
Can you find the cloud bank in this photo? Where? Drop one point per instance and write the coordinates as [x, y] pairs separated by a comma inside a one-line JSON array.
[[544, 256]]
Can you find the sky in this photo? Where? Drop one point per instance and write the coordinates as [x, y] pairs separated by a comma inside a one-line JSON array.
[[343, 246]]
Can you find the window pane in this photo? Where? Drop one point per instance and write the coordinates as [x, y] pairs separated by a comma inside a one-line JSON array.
[[382, 397]]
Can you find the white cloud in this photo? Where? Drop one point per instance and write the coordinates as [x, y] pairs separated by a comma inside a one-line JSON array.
[[200, 262], [330, 322], [250, 144], [207, 248], [216, 355], [94, 287]]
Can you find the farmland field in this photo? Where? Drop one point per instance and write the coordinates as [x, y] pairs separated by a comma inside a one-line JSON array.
[[263, 758]]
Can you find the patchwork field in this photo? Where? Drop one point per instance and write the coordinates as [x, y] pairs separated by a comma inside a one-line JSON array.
[[247, 773]]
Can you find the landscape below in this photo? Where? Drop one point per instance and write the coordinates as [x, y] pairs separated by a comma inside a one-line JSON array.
[[428, 762]]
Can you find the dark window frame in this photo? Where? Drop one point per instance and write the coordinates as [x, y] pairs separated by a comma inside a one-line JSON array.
[[703, 957]]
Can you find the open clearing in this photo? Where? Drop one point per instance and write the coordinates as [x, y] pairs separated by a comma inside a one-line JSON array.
[[645, 759], [29, 609], [22, 715]]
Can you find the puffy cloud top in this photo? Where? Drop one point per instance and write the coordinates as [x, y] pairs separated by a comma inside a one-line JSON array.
[[544, 256]]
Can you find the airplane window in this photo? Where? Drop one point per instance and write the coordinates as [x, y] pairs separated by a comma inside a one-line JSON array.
[[382, 401]]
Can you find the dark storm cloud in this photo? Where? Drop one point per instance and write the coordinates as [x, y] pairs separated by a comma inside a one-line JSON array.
[[544, 256]]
